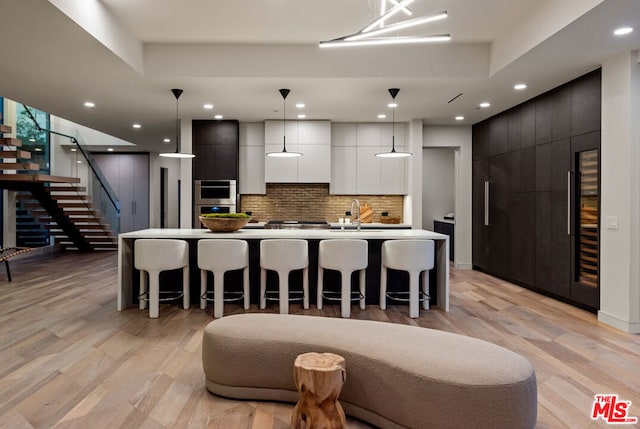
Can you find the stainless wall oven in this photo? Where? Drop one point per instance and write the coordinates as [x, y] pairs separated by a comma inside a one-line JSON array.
[[213, 196]]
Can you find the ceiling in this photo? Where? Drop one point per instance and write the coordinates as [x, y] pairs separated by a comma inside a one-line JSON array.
[[125, 56]]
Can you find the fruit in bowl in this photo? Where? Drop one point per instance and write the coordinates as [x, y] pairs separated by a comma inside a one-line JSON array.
[[224, 222]]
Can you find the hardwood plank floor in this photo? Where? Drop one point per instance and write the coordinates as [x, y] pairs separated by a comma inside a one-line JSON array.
[[70, 360]]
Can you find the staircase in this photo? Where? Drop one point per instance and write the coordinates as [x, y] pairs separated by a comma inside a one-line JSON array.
[[56, 202]]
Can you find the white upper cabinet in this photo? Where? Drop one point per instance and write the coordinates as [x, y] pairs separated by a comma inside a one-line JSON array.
[[251, 154], [312, 139], [354, 167]]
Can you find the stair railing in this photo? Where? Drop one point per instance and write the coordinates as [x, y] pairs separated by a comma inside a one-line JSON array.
[[102, 195]]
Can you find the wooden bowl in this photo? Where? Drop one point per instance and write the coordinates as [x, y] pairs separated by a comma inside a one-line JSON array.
[[222, 224]]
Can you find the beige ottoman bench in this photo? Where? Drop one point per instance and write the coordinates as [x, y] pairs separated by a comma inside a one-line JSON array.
[[397, 376]]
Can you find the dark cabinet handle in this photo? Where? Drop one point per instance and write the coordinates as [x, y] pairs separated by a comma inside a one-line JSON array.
[[486, 203]]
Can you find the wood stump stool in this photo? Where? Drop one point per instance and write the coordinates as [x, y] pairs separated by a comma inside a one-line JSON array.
[[319, 379]]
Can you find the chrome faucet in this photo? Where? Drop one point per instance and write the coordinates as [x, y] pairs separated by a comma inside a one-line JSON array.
[[357, 203]]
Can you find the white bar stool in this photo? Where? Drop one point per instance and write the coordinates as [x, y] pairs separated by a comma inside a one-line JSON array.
[[220, 256], [346, 256], [283, 256], [153, 256], [414, 256]]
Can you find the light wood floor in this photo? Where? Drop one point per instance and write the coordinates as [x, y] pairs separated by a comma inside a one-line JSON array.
[[68, 359]]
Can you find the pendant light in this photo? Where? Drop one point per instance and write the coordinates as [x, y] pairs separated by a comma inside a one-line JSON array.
[[284, 154], [177, 154], [393, 153]]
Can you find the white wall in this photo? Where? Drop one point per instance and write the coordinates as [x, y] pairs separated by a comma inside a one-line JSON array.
[[620, 180], [438, 184], [458, 138]]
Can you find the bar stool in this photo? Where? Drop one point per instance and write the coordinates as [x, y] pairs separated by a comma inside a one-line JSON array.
[[220, 256], [283, 256], [414, 256], [153, 256], [346, 256]]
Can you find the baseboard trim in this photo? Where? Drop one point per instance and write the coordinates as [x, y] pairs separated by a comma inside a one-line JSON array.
[[616, 322], [463, 266]]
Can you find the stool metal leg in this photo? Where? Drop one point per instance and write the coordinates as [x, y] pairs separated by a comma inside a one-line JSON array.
[[425, 289], [6, 264], [245, 286], [305, 288], [263, 288], [414, 290], [345, 296], [362, 288], [186, 297], [203, 289], [320, 287], [154, 295], [283, 284], [383, 288], [143, 288], [218, 295]]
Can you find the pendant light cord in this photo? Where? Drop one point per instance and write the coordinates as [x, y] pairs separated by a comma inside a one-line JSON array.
[[284, 124]]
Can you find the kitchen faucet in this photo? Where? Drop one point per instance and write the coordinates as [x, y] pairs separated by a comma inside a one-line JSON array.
[[357, 203]]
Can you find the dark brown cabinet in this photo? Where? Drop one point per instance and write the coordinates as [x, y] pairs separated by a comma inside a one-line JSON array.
[[216, 147], [535, 204]]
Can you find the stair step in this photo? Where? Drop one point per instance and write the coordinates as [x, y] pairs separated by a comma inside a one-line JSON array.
[[61, 197], [5, 128], [70, 188], [19, 166], [9, 141], [42, 178], [15, 154], [74, 219], [82, 226], [75, 205]]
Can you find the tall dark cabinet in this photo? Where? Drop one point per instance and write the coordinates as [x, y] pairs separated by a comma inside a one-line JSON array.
[[536, 193], [215, 146]]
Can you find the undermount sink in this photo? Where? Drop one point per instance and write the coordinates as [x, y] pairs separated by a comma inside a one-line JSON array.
[[297, 224]]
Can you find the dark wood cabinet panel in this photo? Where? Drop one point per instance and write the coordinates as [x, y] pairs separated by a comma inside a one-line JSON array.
[[499, 193], [515, 129], [528, 127], [586, 104], [446, 228], [216, 147], [480, 137], [522, 237], [523, 170], [225, 161], [553, 161], [553, 247], [480, 235], [531, 236], [544, 113], [499, 135], [561, 113]]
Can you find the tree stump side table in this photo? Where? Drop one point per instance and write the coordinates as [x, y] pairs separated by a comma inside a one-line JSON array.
[[319, 379]]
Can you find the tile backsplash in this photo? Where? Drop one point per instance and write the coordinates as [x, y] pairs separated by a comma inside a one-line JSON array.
[[284, 201]]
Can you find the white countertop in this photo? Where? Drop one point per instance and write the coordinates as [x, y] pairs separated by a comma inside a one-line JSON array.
[[258, 234]]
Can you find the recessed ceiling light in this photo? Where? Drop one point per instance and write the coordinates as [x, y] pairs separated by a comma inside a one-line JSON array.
[[110, 149], [460, 118], [78, 162], [32, 140], [208, 106], [89, 104], [520, 86], [38, 149], [300, 105], [218, 117], [622, 31], [136, 126], [302, 116], [382, 116], [392, 105], [485, 104], [166, 140], [73, 149]]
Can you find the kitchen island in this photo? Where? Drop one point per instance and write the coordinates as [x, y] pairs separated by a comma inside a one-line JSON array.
[[127, 274]]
